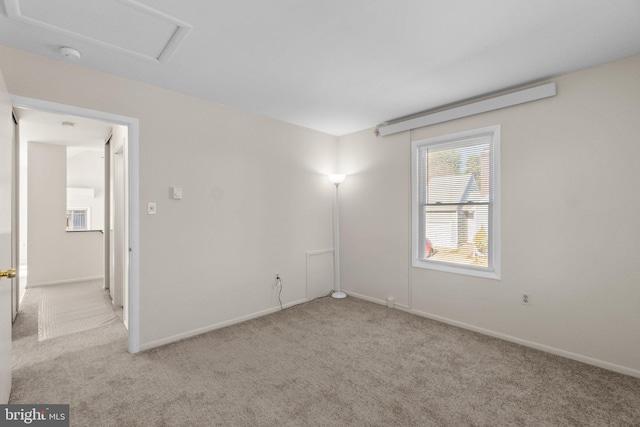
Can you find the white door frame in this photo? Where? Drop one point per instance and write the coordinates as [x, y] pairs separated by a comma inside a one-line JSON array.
[[134, 218], [15, 220], [119, 228]]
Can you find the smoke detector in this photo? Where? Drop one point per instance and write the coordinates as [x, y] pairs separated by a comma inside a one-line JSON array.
[[69, 52]]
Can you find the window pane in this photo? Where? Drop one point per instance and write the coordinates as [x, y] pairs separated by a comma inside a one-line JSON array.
[[458, 175], [456, 216], [77, 219], [457, 234]]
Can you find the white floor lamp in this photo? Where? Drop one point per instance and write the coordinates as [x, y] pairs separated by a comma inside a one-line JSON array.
[[336, 179]]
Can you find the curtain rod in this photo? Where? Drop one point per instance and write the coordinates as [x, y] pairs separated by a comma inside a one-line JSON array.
[[510, 99]]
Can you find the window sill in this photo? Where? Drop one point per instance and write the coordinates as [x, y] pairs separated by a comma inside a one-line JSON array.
[[486, 273]]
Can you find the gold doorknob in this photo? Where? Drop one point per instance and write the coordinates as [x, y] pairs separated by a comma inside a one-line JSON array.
[[10, 273]]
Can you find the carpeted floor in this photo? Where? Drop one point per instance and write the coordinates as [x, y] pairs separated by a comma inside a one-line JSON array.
[[325, 363]]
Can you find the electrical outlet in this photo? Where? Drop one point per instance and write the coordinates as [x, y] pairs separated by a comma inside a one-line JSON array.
[[526, 299]]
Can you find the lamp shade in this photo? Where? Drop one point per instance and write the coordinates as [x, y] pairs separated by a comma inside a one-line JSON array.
[[337, 178]]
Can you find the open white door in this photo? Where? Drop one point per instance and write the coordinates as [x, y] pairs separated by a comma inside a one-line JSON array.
[[6, 162]]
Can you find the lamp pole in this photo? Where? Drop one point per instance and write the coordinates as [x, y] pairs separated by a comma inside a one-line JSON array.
[[336, 180]]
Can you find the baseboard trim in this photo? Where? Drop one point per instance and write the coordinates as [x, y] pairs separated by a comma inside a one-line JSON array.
[[60, 282], [542, 347], [400, 307], [219, 325]]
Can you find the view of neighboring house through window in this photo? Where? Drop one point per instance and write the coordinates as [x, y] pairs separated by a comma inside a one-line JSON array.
[[456, 203], [78, 219]]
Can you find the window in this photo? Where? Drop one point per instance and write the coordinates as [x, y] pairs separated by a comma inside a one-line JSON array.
[[456, 203], [77, 219]]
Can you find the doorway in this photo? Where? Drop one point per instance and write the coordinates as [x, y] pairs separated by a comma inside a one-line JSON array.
[[121, 252]]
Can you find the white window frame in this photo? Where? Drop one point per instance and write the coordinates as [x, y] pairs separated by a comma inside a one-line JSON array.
[[493, 270], [87, 213]]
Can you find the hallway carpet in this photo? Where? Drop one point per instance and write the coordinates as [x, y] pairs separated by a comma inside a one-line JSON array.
[[73, 307], [325, 363]]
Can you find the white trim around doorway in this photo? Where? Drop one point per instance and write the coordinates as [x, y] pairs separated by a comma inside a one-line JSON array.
[[134, 218]]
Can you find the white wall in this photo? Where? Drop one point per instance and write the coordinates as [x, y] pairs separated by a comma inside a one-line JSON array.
[[55, 255], [374, 216], [256, 197], [570, 204], [85, 169]]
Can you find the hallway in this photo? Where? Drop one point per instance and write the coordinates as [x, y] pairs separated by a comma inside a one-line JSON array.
[[39, 367]]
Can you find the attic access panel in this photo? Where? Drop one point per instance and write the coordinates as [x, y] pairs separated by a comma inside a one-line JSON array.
[[125, 26]]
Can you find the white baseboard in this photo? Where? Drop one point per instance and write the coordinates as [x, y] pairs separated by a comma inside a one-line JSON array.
[[194, 332], [548, 349], [365, 298], [400, 307], [60, 282]]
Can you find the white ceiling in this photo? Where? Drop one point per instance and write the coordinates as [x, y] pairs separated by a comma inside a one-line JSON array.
[[334, 66], [38, 126]]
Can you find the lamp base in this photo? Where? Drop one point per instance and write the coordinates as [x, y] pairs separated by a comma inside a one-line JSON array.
[[338, 295]]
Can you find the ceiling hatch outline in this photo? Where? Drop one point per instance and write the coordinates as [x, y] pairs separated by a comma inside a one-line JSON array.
[[174, 29]]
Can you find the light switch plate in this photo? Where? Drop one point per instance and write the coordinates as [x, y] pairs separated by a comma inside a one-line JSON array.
[[176, 193], [151, 209]]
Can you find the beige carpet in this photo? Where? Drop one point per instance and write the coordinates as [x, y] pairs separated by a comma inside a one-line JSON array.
[[326, 363], [71, 308]]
